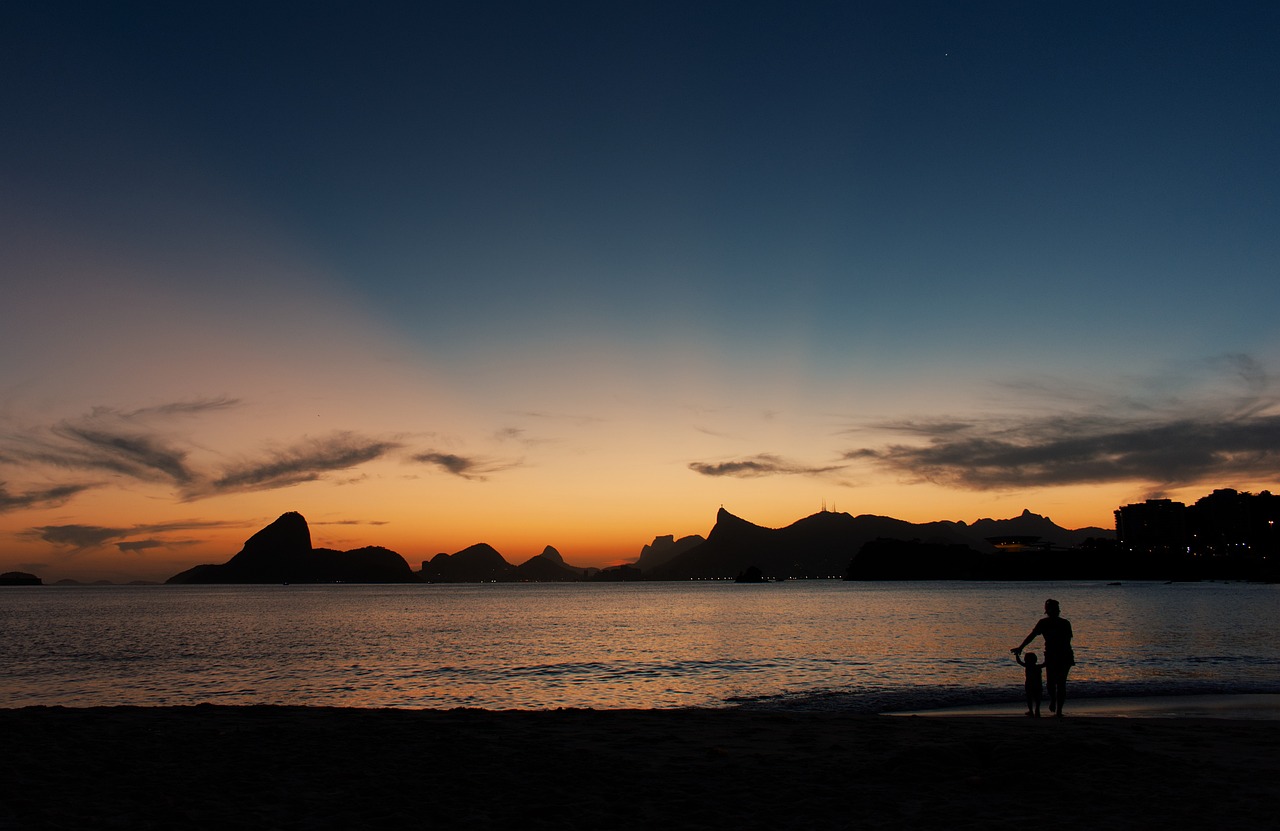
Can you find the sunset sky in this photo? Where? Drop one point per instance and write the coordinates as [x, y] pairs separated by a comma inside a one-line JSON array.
[[579, 274]]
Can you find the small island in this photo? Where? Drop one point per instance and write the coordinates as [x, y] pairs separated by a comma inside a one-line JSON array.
[[19, 578]]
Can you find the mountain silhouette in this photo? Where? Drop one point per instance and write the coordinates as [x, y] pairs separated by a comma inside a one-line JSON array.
[[479, 563], [20, 578], [550, 567], [1028, 524], [664, 549], [282, 553], [820, 545], [823, 545]]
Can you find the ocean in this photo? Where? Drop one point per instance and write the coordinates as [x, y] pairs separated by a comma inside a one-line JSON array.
[[801, 645]]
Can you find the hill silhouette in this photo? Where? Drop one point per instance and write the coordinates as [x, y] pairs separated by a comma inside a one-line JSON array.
[[664, 549], [550, 567], [1031, 525], [282, 553], [480, 563], [823, 545], [817, 546], [20, 578]]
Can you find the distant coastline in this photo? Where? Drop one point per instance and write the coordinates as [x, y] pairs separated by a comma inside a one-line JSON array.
[[824, 545]]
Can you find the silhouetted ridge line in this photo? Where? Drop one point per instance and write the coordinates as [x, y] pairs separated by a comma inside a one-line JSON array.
[[550, 567], [824, 545], [664, 549], [818, 546], [481, 563], [20, 578], [282, 553]]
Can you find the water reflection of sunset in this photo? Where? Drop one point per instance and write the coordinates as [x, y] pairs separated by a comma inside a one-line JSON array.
[[815, 644]]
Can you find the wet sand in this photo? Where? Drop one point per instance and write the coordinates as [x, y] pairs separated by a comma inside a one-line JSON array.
[[294, 767]]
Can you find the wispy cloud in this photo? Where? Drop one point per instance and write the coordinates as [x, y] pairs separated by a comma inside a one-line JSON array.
[[577, 419], [521, 436], [42, 498], [762, 464], [349, 522], [145, 457], [1066, 451], [139, 546], [133, 443], [81, 537], [466, 467], [136, 546], [926, 427], [306, 461], [707, 431], [1167, 432], [143, 445], [180, 408], [457, 465]]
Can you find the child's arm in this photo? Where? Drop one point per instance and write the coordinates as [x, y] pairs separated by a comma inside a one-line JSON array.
[[1017, 656]]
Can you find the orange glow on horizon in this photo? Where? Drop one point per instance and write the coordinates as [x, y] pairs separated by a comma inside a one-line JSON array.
[[598, 536]]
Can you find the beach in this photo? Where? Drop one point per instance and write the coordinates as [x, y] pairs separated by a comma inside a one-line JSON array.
[[302, 767], [1253, 707]]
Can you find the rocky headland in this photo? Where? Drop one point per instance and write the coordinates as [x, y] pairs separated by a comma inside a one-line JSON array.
[[282, 553]]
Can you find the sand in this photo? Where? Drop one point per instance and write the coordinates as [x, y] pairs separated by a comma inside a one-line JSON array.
[[1262, 706], [294, 767]]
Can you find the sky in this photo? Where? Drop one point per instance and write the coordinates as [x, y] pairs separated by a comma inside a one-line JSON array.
[[581, 274]]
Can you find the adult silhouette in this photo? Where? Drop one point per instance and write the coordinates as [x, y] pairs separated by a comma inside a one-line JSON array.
[[1058, 655]]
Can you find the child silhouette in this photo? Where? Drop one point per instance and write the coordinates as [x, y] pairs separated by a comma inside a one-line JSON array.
[[1034, 682]]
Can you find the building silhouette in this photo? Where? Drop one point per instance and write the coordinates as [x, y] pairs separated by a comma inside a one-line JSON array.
[[1226, 524], [1157, 527]]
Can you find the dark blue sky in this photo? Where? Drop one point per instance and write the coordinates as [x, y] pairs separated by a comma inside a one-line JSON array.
[[996, 157]]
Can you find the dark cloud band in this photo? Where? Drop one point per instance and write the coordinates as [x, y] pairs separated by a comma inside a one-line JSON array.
[[1085, 450], [45, 498]]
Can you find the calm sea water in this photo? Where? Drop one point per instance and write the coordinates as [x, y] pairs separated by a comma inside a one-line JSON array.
[[798, 645]]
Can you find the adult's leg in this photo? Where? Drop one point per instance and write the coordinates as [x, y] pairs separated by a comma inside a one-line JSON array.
[[1058, 685]]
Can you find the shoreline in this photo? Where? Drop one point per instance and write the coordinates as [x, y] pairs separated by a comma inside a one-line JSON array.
[[319, 768], [1232, 706]]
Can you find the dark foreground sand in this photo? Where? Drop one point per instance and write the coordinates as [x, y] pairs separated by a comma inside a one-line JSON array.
[[290, 767]]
